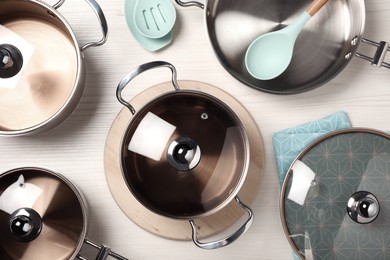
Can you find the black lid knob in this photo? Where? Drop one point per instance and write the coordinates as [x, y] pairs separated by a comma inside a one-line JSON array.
[[25, 225], [11, 61]]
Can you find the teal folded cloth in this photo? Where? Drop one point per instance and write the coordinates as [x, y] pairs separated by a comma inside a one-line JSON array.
[[289, 143]]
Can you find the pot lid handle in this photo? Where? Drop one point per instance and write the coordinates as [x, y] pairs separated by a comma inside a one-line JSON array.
[[11, 61], [137, 71], [25, 224]]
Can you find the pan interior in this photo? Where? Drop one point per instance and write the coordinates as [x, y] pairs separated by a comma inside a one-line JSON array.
[[177, 193], [47, 80], [322, 50]]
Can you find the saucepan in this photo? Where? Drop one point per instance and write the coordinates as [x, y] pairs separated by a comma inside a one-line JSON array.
[[43, 216], [323, 49], [185, 155], [42, 69]]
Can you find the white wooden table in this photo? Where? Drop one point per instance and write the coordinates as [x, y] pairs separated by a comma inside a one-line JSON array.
[[75, 148]]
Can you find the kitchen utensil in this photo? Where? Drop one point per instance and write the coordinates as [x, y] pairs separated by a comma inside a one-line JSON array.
[[200, 167], [154, 18], [53, 80], [344, 211], [269, 55], [168, 227], [43, 216], [325, 47], [147, 43]]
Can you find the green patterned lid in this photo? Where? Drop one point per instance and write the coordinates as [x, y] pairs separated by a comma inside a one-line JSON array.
[[335, 200]]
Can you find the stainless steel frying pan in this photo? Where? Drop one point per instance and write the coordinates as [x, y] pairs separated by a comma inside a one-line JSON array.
[[324, 48]]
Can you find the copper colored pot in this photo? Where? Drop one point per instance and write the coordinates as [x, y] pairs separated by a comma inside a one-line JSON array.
[[43, 216], [185, 154], [47, 84]]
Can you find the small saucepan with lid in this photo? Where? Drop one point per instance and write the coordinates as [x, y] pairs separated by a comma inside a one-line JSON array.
[[42, 69], [43, 216]]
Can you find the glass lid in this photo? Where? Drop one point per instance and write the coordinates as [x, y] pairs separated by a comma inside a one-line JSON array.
[[39, 64], [41, 216], [184, 154], [335, 201]]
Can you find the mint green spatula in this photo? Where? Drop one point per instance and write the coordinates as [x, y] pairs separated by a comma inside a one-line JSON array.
[[154, 18], [270, 54]]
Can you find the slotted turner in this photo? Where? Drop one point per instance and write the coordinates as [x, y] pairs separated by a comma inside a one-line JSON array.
[[154, 18]]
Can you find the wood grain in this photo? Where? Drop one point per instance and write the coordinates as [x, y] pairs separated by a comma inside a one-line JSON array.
[[315, 6]]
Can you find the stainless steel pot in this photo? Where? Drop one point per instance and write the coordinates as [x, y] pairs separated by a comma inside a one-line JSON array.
[[323, 49], [185, 155], [43, 216], [51, 82]]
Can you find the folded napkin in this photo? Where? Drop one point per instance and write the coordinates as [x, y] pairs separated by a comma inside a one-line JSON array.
[[290, 142]]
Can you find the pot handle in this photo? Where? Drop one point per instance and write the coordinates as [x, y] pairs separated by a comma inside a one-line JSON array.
[[190, 3], [137, 71], [228, 240], [104, 252], [381, 50], [103, 22]]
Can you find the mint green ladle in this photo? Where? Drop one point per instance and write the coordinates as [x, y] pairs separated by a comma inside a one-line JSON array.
[[270, 54], [154, 18]]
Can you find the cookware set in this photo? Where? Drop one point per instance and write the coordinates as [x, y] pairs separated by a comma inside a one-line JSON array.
[[182, 155]]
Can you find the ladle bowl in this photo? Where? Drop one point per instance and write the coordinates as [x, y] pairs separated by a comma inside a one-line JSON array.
[[270, 54]]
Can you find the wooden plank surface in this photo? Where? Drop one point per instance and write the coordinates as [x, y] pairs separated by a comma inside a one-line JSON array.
[[76, 147]]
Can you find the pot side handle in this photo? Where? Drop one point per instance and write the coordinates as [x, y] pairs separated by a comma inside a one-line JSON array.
[[228, 240], [381, 50], [103, 22], [190, 3], [137, 71]]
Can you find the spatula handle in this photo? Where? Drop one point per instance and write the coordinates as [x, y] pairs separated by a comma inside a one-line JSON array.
[[315, 6]]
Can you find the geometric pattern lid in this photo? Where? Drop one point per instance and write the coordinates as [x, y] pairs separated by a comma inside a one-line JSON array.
[[335, 201]]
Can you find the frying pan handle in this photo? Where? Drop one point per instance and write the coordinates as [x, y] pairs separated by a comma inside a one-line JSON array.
[[190, 3], [103, 22], [228, 240], [137, 71], [104, 252], [381, 50]]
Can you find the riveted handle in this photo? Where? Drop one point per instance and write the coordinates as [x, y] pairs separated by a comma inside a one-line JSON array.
[[228, 240], [137, 71], [380, 54]]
